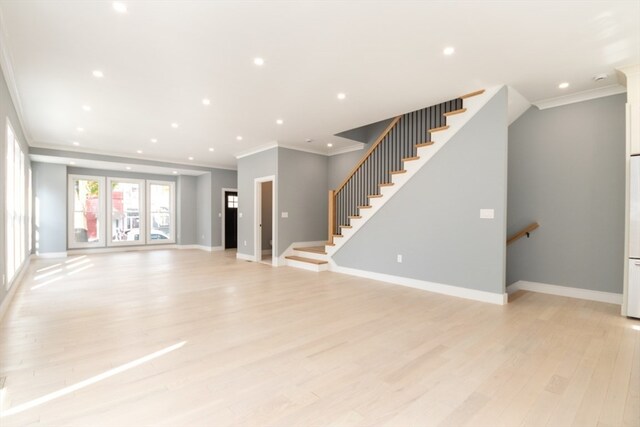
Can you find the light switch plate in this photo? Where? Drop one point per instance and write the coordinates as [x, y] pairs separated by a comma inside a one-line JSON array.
[[285, 214], [487, 213], [239, 214], [219, 214], [399, 258]]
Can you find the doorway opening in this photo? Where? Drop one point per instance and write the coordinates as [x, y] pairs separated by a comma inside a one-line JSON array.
[[230, 219], [265, 246]]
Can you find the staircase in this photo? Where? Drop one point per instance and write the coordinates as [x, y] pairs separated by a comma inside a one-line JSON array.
[[398, 153]]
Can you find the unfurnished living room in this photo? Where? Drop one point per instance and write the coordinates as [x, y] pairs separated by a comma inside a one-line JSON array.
[[320, 213]]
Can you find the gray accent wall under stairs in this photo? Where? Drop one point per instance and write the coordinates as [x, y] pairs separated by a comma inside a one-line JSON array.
[[433, 221]]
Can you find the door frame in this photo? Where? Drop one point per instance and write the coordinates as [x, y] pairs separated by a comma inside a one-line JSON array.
[[223, 214], [257, 216]]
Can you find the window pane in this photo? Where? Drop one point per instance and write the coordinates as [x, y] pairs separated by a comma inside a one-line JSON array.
[[125, 211], [86, 211], [160, 212]]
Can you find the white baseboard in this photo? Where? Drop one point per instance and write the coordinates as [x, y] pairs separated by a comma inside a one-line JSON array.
[[566, 291], [17, 281], [201, 247], [89, 251], [46, 255], [245, 257], [439, 288]]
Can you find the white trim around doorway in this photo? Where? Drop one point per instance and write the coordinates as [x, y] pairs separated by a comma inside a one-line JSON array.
[[257, 215]]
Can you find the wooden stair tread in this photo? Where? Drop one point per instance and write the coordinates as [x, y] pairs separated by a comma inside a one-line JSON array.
[[307, 260], [364, 207], [355, 216], [424, 144], [338, 235], [440, 129], [312, 249], [410, 159], [469, 95], [454, 112], [397, 172], [386, 184], [374, 196], [346, 226]]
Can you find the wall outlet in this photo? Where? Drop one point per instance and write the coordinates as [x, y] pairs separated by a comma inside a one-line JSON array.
[[487, 213], [285, 214], [399, 258], [239, 214], [245, 243]]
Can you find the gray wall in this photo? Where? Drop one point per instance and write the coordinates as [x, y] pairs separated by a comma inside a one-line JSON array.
[[203, 209], [566, 171], [251, 167], [7, 111], [433, 221], [187, 196], [302, 192], [267, 214], [50, 207]]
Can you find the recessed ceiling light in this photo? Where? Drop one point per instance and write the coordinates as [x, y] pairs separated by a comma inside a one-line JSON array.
[[128, 168], [86, 108], [239, 138], [258, 61], [206, 101], [342, 96], [279, 121], [98, 74], [80, 129], [154, 140], [76, 143], [211, 149], [449, 51], [329, 145], [175, 172], [190, 158], [139, 151], [563, 85], [119, 7], [72, 162], [174, 125]]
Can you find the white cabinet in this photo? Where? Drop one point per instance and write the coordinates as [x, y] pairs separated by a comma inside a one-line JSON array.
[[633, 297]]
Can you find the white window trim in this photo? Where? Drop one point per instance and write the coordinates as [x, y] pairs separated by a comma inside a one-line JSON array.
[[71, 243], [141, 202], [172, 212]]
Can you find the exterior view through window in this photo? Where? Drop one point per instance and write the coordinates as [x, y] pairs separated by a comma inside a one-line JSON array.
[[86, 211]]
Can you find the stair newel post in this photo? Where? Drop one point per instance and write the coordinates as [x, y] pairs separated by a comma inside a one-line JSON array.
[[332, 214]]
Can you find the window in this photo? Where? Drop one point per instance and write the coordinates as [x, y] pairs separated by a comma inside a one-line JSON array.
[[16, 206], [114, 212], [232, 201], [86, 211], [161, 204], [126, 211]]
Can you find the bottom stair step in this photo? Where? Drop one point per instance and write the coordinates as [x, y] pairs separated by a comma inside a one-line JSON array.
[[307, 260]]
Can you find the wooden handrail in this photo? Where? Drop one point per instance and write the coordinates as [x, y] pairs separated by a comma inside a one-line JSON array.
[[524, 232], [366, 156]]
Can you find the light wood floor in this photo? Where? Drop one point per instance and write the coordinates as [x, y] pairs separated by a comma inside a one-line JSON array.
[[280, 346]]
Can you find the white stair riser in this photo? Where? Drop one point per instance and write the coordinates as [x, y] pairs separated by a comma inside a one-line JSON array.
[[307, 266], [312, 255]]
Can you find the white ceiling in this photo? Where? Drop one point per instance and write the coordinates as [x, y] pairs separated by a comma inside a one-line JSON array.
[[160, 59]]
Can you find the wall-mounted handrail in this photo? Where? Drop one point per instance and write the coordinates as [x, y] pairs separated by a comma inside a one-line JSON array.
[[384, 133], [524, 232]]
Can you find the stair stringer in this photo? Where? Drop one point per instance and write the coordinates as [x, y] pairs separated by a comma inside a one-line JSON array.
[[455, 123]]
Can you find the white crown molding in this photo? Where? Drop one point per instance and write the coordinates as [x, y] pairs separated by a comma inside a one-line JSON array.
[[566, 291], [127, 157], [630, 70], [9, 77], [257, 150], [586, 95], [271, 145]]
